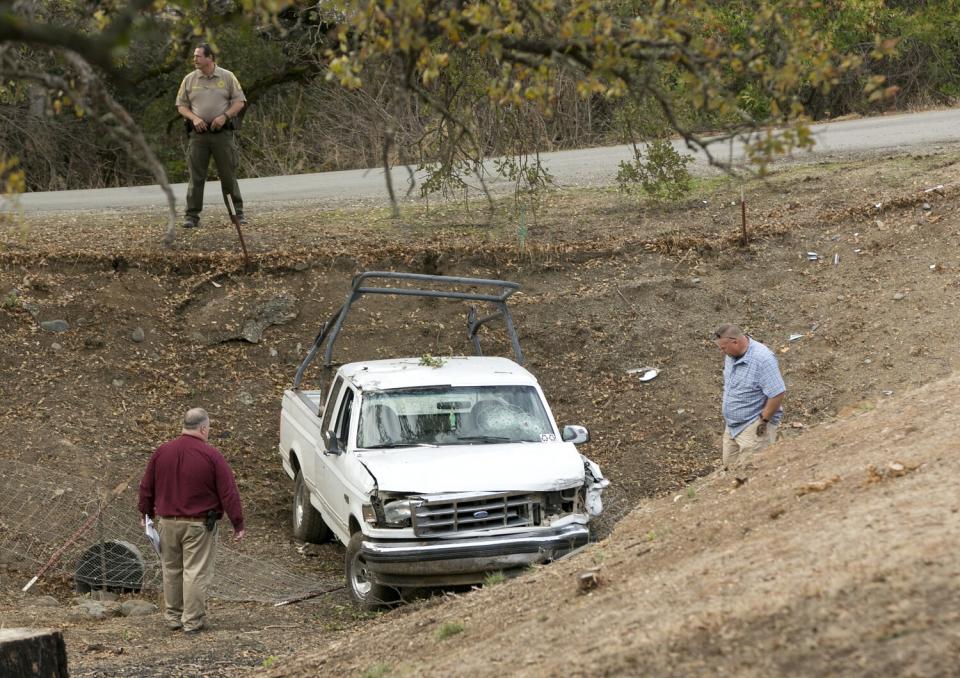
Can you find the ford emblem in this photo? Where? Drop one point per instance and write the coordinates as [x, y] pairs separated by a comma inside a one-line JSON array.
[[481, 514]]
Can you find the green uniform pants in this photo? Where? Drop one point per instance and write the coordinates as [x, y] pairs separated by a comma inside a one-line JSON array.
[[223, 148]]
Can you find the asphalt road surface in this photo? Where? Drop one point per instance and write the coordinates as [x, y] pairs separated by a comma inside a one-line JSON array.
[[586, 167]]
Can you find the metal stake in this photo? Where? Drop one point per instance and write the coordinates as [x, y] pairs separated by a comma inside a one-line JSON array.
[[228, 201]]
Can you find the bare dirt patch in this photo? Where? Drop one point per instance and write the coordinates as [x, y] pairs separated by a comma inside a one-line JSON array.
[[606, 288]]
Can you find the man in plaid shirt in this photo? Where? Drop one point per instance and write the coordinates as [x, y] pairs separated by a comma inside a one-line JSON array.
[[752, 392]]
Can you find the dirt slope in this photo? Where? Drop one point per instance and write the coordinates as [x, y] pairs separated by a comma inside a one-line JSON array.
[[835, 556]]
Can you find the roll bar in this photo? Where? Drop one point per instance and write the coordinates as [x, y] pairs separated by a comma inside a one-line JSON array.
[[501, 290]]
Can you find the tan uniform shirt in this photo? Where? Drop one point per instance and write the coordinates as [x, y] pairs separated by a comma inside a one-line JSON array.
[[209, 96]]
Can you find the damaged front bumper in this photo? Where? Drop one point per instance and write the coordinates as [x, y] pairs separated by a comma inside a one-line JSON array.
[[466, 561]]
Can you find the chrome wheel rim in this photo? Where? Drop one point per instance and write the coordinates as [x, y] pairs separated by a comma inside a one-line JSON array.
[[361, 584]]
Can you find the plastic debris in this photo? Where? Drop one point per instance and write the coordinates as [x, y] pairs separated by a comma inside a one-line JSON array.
[[812, 256], [934, 189], [927, 207], [836, 259], [646, 373], [794, 337]]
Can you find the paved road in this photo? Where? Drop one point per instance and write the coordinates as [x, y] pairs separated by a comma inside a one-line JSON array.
[[592, 166]]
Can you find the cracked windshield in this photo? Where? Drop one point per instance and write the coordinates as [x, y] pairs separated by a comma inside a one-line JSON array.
[[446, 415]]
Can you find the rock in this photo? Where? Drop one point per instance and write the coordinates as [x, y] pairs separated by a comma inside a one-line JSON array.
[[245, 398], [232, 318], [224, 434], [273, 352], [137, 335], [55, 325], [137, 608], [276, 311], [898, 296], [93, 342], [99, 594], [587, 581], [310, 550], [118, 383], [95, 609], [56, 347]]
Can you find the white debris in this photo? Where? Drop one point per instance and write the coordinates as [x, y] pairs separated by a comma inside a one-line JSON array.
[[646, 373]]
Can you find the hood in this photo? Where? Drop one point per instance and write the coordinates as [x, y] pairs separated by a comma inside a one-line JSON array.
[[524, 467]]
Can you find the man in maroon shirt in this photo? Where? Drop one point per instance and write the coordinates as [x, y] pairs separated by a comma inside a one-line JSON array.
[[186, 481]]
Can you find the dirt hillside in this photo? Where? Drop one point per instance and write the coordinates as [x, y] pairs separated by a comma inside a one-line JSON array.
[[109, 337], [836, 555]]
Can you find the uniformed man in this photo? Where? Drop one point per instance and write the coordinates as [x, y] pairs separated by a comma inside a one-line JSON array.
[[210, 98]]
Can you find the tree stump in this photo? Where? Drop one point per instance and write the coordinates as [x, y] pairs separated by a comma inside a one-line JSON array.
[[32, 652]]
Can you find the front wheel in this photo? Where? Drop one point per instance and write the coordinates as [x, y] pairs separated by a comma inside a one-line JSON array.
[[365, 592], [308, 525]]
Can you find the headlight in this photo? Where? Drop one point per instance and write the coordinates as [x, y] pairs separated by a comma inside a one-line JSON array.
[[397, 513]]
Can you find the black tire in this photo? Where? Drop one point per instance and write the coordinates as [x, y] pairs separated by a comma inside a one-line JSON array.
[[308, 525], [365, 593]]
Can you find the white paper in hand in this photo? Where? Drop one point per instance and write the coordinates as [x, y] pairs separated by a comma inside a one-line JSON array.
[[151, 533]]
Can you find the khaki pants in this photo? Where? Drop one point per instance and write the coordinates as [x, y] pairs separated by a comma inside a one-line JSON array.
[[223, 148], [187, 551], [738, 451]]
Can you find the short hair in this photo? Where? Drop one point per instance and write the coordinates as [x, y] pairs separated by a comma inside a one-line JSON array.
[[195, 418], [207, 50], [728, 331]]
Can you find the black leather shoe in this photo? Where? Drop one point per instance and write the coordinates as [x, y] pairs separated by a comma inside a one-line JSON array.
[[190, 222], [242, 220]]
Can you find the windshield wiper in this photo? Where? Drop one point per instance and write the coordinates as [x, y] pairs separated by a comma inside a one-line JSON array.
[[390, 446], [485, 439]]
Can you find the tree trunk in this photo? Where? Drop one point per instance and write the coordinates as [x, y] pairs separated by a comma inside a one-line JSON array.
[[33, 652]]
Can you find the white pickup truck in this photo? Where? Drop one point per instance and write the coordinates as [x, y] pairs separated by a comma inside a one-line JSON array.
[[434, 471]]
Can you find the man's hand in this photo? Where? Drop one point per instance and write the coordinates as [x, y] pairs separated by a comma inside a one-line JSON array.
[[218, 122], [200, 125], [238, 535]]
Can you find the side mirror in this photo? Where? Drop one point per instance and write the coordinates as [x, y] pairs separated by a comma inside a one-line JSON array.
[[332, 443], [575, 434]]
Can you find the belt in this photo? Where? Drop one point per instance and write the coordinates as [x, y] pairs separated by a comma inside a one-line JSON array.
[[198, 519]]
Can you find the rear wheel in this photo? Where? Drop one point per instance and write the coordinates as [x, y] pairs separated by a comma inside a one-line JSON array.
[[308, 525], [365, 592]]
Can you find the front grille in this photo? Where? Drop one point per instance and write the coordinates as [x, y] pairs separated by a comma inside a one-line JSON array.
[[432, 518]]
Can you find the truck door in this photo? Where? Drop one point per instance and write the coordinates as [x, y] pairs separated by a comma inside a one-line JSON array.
[[334, 480], [315, 464]]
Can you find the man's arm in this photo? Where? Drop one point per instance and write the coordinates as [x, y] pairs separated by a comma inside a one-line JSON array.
[[146, 498], [231, 113], [199, 123], [771, 406]]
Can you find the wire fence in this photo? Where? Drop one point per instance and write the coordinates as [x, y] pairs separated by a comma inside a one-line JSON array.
[[57, 524]]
